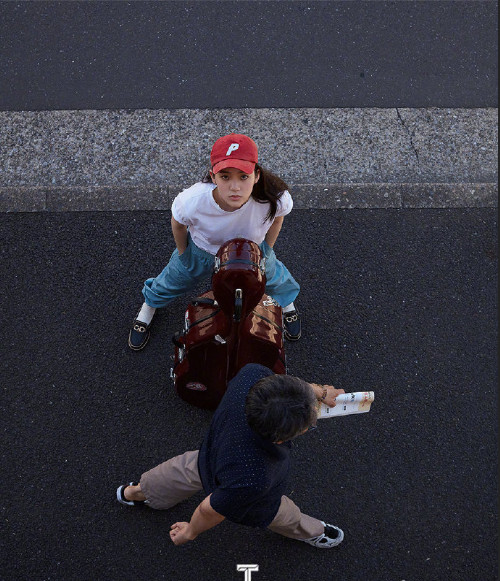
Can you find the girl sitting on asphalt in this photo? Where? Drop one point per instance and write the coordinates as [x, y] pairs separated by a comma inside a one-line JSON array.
[[236, 199]]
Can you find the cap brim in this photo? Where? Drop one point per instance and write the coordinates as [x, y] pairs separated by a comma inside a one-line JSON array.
[[247, 167]]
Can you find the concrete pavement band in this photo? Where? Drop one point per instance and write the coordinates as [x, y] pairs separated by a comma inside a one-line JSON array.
[[331, 158]]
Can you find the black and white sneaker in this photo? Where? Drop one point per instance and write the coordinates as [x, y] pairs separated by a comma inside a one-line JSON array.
[[120, 496], [292, 326], [332, 537]]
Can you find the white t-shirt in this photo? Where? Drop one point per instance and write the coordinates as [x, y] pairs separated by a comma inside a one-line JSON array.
[[210, 226]]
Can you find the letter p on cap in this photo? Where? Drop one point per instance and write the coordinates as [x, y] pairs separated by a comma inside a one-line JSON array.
[[232, 147]]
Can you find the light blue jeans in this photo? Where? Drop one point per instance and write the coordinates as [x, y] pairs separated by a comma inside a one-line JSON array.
[[185, 271]]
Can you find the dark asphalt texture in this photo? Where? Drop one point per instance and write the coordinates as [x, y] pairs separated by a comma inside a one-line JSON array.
[[205, 54], [402, 302]]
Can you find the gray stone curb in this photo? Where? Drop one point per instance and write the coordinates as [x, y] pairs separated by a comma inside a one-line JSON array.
[[306, 196], [332, 158]]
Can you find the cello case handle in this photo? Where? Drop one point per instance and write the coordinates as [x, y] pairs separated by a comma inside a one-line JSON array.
[[238, 304]]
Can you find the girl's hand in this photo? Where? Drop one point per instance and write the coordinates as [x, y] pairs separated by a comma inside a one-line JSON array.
[[180, 533], [326, 393], [180, 233]]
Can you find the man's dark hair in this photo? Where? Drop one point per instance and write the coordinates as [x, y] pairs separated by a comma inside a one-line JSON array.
[[280, 407]]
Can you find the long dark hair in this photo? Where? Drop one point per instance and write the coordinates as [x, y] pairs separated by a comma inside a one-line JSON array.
[[268, 190]]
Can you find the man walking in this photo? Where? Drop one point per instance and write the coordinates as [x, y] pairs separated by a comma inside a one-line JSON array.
[[243, 462]]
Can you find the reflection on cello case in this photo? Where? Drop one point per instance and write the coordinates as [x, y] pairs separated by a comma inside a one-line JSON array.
[[231, 325]]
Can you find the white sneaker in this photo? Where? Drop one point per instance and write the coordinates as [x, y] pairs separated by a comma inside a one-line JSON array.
[[332, 537], [120, 495]]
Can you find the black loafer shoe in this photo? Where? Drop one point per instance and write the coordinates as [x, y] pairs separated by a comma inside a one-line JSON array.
[[292, 326], [139, 335]]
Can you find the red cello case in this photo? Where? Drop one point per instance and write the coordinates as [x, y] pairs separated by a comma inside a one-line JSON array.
[[224, 329]]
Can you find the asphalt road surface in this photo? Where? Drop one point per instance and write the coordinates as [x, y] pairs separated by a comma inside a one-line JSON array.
[[401, 302], [205, 54]]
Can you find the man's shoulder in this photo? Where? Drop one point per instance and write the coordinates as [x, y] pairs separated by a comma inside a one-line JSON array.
[[257, 368], [251, 373]]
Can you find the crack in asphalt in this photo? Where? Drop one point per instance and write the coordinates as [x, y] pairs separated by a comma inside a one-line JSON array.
[[411, 135]]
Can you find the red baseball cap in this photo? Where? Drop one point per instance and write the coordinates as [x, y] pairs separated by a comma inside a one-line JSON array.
[[234, 150]]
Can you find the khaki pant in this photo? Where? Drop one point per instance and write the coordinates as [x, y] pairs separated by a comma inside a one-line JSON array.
[[177, 479]]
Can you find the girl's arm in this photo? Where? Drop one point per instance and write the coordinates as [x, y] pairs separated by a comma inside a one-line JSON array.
[[274, 230], [204, 518], [180, 235]]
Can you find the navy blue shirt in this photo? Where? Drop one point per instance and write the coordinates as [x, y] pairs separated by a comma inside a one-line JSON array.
[[245, 474]]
